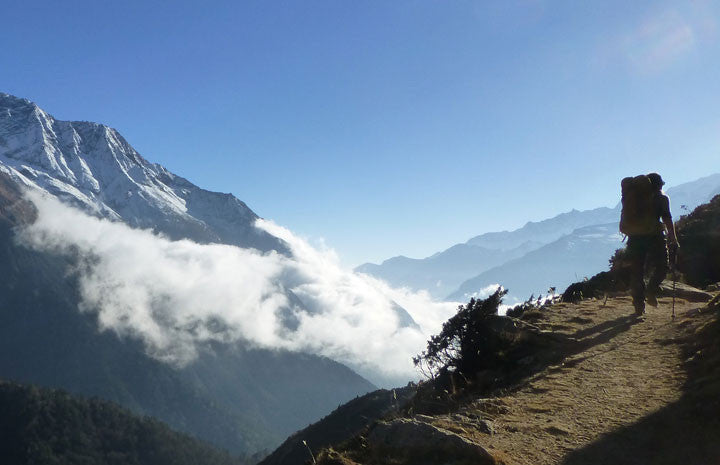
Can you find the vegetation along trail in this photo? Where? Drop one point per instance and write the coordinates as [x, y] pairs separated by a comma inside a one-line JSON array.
[[610, 401]]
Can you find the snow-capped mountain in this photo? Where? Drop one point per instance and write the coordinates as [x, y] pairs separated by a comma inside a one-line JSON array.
[[240, 397], [92, 166], [584, 252], [442, 273], [546, 231], [684, 198], [500, 257]]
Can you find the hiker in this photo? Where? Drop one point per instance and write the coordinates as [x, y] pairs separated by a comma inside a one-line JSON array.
[[647, 222]]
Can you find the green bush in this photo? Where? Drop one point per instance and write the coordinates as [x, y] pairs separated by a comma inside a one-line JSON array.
[[464, 339]]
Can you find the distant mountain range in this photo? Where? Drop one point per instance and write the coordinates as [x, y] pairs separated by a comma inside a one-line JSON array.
[[442, 273], [529, 260], [582, 253], [241, 398]]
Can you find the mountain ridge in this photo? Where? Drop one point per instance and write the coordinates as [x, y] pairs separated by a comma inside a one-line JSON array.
[[582, 253], [92, 166], [425, 273], [235, 397]]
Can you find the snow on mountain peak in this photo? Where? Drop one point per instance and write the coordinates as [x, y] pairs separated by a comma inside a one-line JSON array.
[[91, 166]]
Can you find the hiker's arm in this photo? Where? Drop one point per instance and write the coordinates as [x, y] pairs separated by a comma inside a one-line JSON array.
[[670, 230], [668, 222]]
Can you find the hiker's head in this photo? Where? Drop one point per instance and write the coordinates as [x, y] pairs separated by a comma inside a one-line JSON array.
[[656, 180]]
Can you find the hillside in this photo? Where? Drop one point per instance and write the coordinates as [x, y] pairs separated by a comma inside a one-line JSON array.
[[699, 236], [235, 397], [611, 389], [52, 427], [340, 425]]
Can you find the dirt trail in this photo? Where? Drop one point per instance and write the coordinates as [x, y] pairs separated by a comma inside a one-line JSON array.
[[626, 370]]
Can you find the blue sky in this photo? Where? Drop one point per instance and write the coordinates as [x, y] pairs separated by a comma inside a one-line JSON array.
[[387, 127]]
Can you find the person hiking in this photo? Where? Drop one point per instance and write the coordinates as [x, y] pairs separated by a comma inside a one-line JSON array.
[[647, 222]]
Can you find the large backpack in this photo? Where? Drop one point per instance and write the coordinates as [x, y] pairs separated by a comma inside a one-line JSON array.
[[639, 210]]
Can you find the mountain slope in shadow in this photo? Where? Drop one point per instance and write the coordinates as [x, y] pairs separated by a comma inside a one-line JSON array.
[[244, 400]]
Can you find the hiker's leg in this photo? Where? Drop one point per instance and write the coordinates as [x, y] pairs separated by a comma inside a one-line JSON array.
[[636, 249], [658, 260]]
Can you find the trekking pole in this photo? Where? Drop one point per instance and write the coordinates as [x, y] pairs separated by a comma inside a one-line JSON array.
[[673, 305], [310, 451], [674, 275]]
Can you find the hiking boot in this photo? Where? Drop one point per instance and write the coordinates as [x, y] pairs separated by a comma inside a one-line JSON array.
[[639, 308], [651, 300]]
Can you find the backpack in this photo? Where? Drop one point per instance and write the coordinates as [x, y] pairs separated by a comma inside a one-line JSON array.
[[639, 211]]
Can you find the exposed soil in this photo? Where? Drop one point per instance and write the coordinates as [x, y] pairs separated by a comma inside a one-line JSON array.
[[625, 396], [615, 389]]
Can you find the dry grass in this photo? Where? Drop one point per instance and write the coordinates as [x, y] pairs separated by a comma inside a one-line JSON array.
[[626, 391]]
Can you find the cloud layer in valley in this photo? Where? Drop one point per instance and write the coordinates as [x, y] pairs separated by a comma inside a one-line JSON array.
[[178, 295]]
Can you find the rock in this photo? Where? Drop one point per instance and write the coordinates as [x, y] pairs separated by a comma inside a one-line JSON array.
[[713, 287], [491, 406], [557, 430], [683, 291], [416, 442], [715, 302], [486, 426]]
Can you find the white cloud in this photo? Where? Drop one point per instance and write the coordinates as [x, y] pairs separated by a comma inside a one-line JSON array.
[[177, 295], [484, 292], [661, 39]]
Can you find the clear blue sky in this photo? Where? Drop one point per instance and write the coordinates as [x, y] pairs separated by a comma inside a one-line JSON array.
[[386, 127]]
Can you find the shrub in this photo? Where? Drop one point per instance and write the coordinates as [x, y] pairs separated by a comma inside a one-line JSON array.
[[464, 338], [531, 308], [617, 279], [699, 236]]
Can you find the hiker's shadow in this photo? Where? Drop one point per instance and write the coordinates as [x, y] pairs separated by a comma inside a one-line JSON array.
[[584, 339], [685, 432]]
